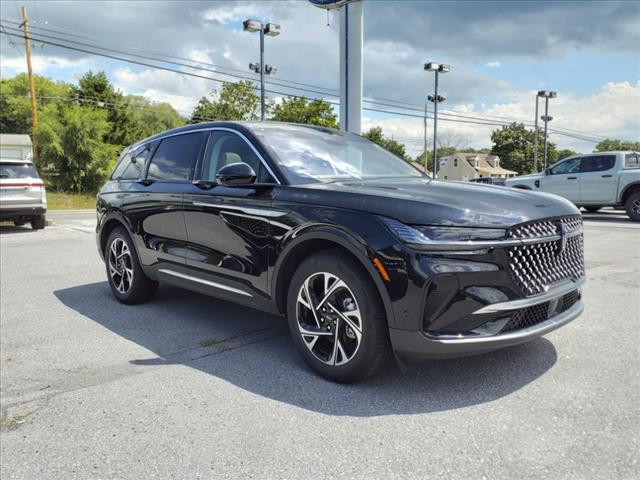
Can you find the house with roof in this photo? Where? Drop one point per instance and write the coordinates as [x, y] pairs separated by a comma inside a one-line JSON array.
[[470, 166]]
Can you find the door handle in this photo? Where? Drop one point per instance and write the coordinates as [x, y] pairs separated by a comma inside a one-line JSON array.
[[607, 176], [146, 181], [572, 178]]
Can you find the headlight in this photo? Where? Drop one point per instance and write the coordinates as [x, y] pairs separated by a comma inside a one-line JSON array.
[[444, 238]]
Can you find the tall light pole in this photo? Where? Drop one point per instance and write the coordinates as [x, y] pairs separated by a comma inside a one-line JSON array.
[[425, 137], [271, 29], [436, 99], [535, 137], [546, 94]]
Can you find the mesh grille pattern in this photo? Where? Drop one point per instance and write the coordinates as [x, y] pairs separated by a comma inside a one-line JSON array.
[[527, 317], [568, 301], [534, 267]]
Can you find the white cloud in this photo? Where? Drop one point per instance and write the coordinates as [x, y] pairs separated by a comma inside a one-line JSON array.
[[611, 112], [493, 64], [40, 63]]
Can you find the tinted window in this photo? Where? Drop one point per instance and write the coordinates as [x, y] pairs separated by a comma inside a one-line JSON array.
[[131, 164], [175, 157], [598, 163], [228, 147], [18, 170], [632, 160], [567, 166]]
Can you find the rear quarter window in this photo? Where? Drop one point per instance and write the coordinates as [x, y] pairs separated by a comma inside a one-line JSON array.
[[632, 160]]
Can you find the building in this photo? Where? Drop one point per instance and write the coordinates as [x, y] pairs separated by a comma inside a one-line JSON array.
[[469, 166], [15, 147]]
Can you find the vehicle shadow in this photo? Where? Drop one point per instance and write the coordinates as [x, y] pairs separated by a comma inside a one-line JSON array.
[[253, 351], [607, 216], [12, 229]]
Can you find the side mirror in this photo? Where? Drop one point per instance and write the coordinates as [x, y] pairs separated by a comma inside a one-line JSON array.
[[238, 173], [548, 171]]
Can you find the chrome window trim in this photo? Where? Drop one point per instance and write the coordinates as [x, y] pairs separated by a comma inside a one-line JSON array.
[[553, 293], [205, 282], [438, 245], [240, 134]]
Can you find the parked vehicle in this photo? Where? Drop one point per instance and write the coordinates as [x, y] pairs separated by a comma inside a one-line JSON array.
[[591, 181], [362, 252], [489, 180], [23, 197]]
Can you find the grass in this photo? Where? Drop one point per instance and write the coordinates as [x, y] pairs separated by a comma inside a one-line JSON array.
[[67, 201]]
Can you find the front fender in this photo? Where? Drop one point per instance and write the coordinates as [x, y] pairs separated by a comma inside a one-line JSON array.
[[356, 246]]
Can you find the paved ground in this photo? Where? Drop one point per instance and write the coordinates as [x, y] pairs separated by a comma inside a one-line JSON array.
[[191, 387]]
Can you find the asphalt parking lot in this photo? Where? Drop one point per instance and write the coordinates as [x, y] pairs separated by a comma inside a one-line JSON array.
[[191, 387]]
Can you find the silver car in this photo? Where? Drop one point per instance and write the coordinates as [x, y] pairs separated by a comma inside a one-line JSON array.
[[22, 194]]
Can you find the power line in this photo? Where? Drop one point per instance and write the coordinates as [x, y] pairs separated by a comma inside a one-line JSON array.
[[460, 118]]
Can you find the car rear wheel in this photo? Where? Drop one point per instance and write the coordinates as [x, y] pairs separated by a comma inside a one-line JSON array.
[[632, 206], [128, 282], [38, 223], [337, 318]]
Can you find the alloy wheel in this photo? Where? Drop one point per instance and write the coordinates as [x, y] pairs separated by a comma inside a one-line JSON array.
[[635, 206], [329, 319], [120, 265]]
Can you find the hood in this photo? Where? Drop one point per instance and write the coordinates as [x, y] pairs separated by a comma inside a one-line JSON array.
[[422, 201]]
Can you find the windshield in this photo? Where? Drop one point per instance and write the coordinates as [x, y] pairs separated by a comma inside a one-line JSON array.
[[17, 170], [310, 155]]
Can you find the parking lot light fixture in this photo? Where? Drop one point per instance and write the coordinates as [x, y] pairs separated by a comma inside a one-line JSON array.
[[435, 99], [272, 30], [546, 94]]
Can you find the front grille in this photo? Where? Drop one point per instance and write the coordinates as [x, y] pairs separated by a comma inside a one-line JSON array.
[[530, 316], [527, 317], [534, 267]]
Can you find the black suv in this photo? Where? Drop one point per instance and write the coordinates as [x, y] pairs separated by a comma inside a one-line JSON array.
[[363, 253]]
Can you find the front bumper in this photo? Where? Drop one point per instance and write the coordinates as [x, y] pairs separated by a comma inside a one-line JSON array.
[[416, 345]]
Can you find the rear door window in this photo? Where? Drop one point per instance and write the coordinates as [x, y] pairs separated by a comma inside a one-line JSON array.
[[597, 163], [18, 170], [175, 157]]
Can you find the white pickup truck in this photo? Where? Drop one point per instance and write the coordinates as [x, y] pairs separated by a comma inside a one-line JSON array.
[[591, 181]]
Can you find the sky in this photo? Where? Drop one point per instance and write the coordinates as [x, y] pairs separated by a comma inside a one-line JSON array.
[[500, 54]]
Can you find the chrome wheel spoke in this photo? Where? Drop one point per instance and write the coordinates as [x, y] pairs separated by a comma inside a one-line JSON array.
[[331, 327], [120, 265]]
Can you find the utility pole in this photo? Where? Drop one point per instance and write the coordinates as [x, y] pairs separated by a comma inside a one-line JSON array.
[[32, 88], [435, 130], [425, 137], [535, 139]]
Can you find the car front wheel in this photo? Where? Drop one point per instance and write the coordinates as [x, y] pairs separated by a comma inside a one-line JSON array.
[[128, 282], [337, 318], [632, 206]]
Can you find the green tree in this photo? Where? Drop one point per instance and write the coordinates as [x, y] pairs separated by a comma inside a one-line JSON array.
[[565, 152], [375, 135], [140, 118], [71, 144], [610, 145], [15, 104], [236, 101], [309, 112], [514, 145]]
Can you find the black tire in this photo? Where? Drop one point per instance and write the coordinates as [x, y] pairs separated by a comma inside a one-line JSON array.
[[19, 223], [38, 223], [373, 347], [134, 289], [632, 206], [592, 209]]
